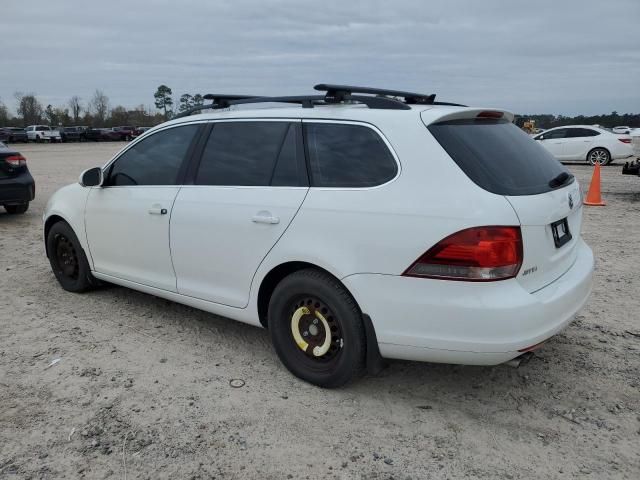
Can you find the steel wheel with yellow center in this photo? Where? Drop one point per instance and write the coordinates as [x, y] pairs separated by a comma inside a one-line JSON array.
[[315, 330]]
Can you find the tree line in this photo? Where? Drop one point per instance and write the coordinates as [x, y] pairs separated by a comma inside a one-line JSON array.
[[97, 112], [613, 119]]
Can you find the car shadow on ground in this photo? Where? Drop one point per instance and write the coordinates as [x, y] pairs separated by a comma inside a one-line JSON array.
[[407, 382]]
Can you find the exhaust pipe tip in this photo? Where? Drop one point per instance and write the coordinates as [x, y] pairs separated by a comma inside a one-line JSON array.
[[520, 360]]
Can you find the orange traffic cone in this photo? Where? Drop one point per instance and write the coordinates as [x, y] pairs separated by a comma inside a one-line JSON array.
[[593, 195]]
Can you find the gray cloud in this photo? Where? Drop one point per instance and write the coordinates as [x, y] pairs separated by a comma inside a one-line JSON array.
[[546, 56]]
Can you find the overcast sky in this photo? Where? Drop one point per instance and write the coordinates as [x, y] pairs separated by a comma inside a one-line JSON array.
[[542, 56]]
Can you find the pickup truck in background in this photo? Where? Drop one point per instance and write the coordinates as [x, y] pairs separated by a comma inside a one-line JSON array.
[[42, 133], [73, 134]]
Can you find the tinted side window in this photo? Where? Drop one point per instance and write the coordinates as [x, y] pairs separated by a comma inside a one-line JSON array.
[[347, 156], [581, 132], [560, 133], [252, 154], [156, 160], [587, 132]]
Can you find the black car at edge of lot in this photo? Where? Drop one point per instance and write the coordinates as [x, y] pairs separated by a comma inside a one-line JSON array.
[[17, 187], [13, 134]]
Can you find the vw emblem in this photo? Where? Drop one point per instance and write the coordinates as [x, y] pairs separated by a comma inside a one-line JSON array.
[[570, 201]]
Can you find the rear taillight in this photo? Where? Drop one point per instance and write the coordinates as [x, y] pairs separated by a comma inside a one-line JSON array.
[[476, 254], [625, 140], [16, 160]]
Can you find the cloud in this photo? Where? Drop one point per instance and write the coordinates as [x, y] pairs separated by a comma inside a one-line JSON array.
[[548, 56]]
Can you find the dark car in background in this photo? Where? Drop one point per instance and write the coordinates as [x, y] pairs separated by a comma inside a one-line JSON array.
[[17, 187], [101, 135], [139, 131], [125, 133], [13, 134], [73, 134]]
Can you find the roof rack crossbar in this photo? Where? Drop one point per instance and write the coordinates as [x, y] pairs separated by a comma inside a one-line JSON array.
[[340, 92], [309, 101], [218, 101], [377, 98], [306, 101], [222, 99]]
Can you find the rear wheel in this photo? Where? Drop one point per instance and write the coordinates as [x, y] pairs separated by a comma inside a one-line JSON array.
[[67, 258], [316, 328], [16, 209], [599, 155]]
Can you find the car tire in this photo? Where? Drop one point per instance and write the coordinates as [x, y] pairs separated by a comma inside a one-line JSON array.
[[68, 260], [312, 306], [599, 155], [17, 209]]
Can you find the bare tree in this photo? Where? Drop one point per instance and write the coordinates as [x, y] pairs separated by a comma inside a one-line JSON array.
[[29, 108], [76, 107], [119, 116], [99, 106], [4, 114]]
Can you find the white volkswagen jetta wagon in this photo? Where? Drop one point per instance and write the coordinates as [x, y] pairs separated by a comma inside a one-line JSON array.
[[355, 225]]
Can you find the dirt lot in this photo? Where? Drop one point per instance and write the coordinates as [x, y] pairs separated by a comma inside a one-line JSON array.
[[142, 388]]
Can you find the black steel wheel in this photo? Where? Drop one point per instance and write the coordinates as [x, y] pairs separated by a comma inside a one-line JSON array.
[[316, 328], [68, 260]]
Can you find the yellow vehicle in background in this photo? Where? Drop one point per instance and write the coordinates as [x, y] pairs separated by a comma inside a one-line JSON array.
[[529, 126]]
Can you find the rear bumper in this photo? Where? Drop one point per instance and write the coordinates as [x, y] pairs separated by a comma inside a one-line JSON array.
[[468, 323], [17, 190]]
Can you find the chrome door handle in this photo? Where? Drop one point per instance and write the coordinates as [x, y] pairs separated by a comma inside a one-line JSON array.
[[265, 217], [157, 211]]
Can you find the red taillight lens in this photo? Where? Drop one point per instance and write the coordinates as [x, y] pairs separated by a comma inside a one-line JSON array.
[[475, 254], [625, 140], [16, 160]]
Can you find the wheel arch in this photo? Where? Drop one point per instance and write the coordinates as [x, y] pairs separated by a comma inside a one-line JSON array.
[[275, 276], [50, 222], [374, 361]]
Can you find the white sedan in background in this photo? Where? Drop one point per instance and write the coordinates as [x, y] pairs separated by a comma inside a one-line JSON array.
[[585, 143]]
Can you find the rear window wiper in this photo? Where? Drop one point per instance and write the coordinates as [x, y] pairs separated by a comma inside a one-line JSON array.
[[560, 179]]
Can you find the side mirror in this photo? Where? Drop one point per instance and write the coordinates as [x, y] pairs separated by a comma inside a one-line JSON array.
[[91, 178], [540, 137]]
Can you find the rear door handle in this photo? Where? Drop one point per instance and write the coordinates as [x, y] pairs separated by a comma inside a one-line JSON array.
[[265, 217], [157, 210]]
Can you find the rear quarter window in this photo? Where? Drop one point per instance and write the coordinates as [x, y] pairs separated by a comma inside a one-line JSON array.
[[347, 156], [498, 156]]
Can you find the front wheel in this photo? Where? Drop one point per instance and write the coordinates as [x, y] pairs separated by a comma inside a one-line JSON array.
[[17, 209], [599, 155], [316, 329], [67, 258]]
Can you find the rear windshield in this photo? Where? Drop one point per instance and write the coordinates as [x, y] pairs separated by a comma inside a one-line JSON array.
[[498, 156]]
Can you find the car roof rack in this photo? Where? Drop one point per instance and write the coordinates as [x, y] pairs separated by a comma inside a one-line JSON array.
[[340, 92], [375, 98], [218, 101], [222, 99]]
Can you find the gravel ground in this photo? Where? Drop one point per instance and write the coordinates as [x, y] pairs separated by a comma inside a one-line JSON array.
[[142, 387]]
